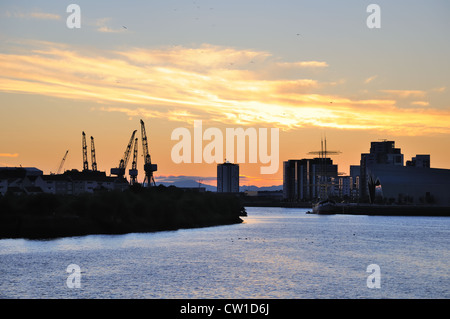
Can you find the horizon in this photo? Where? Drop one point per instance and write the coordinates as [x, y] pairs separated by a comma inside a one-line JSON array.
[[231, 64]]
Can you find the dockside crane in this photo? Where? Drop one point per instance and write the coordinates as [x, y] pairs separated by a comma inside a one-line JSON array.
[[149, 168], [133, 172], [323, 150], [323, 174], [94, 161], [62, 163], [120, 171], [85, 159]]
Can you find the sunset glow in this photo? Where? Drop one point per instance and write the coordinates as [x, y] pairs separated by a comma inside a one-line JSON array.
[[222, 84]]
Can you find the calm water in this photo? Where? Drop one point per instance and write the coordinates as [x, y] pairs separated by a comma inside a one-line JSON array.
[[276, 253]]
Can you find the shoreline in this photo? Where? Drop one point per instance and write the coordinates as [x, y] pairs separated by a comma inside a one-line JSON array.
[[393, 210], [368, 209], [139, 210]]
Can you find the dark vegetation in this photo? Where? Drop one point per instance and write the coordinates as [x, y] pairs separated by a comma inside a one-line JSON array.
[[114, 212]]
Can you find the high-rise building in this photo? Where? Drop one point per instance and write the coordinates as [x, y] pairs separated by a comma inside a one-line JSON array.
[[355, 171], [380, 153], [383, 177], [228, 178], [308, 179]]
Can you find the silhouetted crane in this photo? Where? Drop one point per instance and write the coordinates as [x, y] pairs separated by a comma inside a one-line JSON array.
[[149, 168], [85, 159], [323, 174], [120, 171], [323, 150], [62, 163], [94, 161], [133, 172]]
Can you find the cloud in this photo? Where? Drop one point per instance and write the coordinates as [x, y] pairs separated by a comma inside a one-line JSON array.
[[439, 90], [45, 16], [406, 93], [370, 79], [212, 83], [420, 103], [101, 25], [33, 15], [8, 155], [303, 64]]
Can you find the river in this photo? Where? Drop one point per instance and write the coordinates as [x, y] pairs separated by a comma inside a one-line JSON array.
[[276, 253]]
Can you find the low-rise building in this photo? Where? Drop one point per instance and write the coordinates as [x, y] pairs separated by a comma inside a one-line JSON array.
[[30, 180]]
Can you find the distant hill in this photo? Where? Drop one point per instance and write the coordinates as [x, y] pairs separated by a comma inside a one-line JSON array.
[[252, 188], [188, 183], [193, 183]]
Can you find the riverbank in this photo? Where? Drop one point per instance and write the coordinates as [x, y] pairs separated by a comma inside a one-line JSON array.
[[383, 210], [392, 210], [363, 208], [46, 216]]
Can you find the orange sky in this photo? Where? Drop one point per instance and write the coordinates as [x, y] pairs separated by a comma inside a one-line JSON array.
[[53, 90]]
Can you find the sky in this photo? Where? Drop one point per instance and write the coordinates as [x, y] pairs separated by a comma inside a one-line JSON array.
[[311, 69]]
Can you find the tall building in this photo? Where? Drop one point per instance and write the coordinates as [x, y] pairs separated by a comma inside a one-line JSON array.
[[308, 179], [380, 153], [228, 178], [355, 171], [384, 177]]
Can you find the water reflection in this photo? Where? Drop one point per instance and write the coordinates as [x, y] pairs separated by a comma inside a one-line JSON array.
[[275, 253]]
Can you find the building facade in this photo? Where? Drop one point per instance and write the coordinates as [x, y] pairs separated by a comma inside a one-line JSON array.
[[384, 178], [228, 178], [309, 179], [412, 185], [30, 180], [381, 153]]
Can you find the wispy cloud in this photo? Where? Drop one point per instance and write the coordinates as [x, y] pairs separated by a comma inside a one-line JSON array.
[[33, 15], [9, 155], [102, 26], [439, 90], [420, 103], [406, 93], [370, 79], [215, 83], [303, 64]]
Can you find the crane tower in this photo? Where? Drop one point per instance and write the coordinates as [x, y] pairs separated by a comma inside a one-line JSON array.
[[120, 171], [149, 168], [85, 159], [94, 161], [133, 172], [62, 163]]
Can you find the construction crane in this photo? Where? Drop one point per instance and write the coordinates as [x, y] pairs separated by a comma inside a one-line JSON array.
[[133, 172], [120, 171], [323, 150], [62, 163], [149, 168], [94, 161], [323, 177], [85, 159]]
